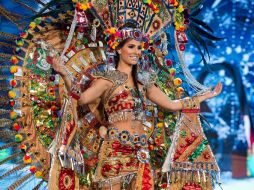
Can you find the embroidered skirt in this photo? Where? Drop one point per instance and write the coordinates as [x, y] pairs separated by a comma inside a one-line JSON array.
[[119, 163]]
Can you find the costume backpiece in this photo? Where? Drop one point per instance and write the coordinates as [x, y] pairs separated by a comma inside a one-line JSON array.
[[42, 116]]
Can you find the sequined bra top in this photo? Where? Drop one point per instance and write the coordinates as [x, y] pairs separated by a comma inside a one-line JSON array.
[[122, 102], [126, 104]]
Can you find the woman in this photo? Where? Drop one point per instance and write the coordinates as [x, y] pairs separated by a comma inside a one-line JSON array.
[[124, 153]]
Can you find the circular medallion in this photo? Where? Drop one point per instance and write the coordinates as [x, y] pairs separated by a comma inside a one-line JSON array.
[[124, 136], [143, 155], [135, 139], [137, 34], [67, 180], [143, 140], [112, 133]]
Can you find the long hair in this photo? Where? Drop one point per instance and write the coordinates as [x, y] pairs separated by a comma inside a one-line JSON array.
[[134, 70]]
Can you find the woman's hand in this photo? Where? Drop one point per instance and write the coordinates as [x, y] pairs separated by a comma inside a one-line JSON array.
[[211, 93], [58, 67]]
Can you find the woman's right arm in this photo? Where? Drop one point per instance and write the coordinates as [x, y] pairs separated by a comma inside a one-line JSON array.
[[92, 93], [95, 91]]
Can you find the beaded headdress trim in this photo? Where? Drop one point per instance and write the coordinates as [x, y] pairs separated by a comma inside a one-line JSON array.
[[116, 36]]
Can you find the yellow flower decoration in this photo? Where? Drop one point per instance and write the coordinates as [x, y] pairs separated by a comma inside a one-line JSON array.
[[27, 159], [13, 69], [11, 94], [32, 25], [38, 174], [180, 9], [177, 82], [18, 138], [13, 115]]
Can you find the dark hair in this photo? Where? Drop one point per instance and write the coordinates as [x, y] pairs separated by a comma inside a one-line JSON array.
[[134, 70]]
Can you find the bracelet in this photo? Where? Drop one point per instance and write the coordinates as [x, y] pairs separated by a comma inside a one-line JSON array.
[[190, 105], [75, 91]]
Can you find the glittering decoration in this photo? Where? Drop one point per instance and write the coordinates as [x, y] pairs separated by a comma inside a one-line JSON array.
[[38, 174], [143, 155], [33, 169], [41, 90], [67, 180], [27, 159], [201, 148], [18, 138]]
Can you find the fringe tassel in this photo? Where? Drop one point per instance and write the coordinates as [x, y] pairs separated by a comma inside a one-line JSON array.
[[10, 158], [37, 187], [5, 56], [6, 134], [2, 44], [193, 176], [8, 145], [20, 181], [10, 17], [4, 77], [4, 88], [3, 111], [189, 77], [19, 167], [26, 6], [3, 101], [5, 122], [5, 67], [8, 36]]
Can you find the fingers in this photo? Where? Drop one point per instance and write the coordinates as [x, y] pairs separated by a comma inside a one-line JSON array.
[[58, 66], [56, 63], [217, 90]]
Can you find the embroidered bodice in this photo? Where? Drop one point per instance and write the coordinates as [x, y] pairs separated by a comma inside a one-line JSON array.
[[122, 102], [125, 103]]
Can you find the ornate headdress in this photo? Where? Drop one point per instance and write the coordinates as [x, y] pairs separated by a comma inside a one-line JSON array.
[[34, 91], [116, 36]]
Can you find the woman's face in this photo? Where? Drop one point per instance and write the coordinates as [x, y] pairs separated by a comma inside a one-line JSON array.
[[130, 52]]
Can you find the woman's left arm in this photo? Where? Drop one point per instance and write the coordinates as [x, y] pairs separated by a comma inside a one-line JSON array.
[[158, 97]]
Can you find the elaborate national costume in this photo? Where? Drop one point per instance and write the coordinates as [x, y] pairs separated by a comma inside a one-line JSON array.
[[46, 116]]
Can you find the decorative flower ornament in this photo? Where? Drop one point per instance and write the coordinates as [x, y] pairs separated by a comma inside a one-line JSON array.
[[33, 169], [38, 174], [11, 94], [13, 83], [18, 138], [143, 155], [13, 69], [116, 36], [16, 126], [27, 159], [14, 60]]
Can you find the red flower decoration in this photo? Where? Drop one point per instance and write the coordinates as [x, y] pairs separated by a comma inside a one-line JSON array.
[[169, 62], [12, 103]]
